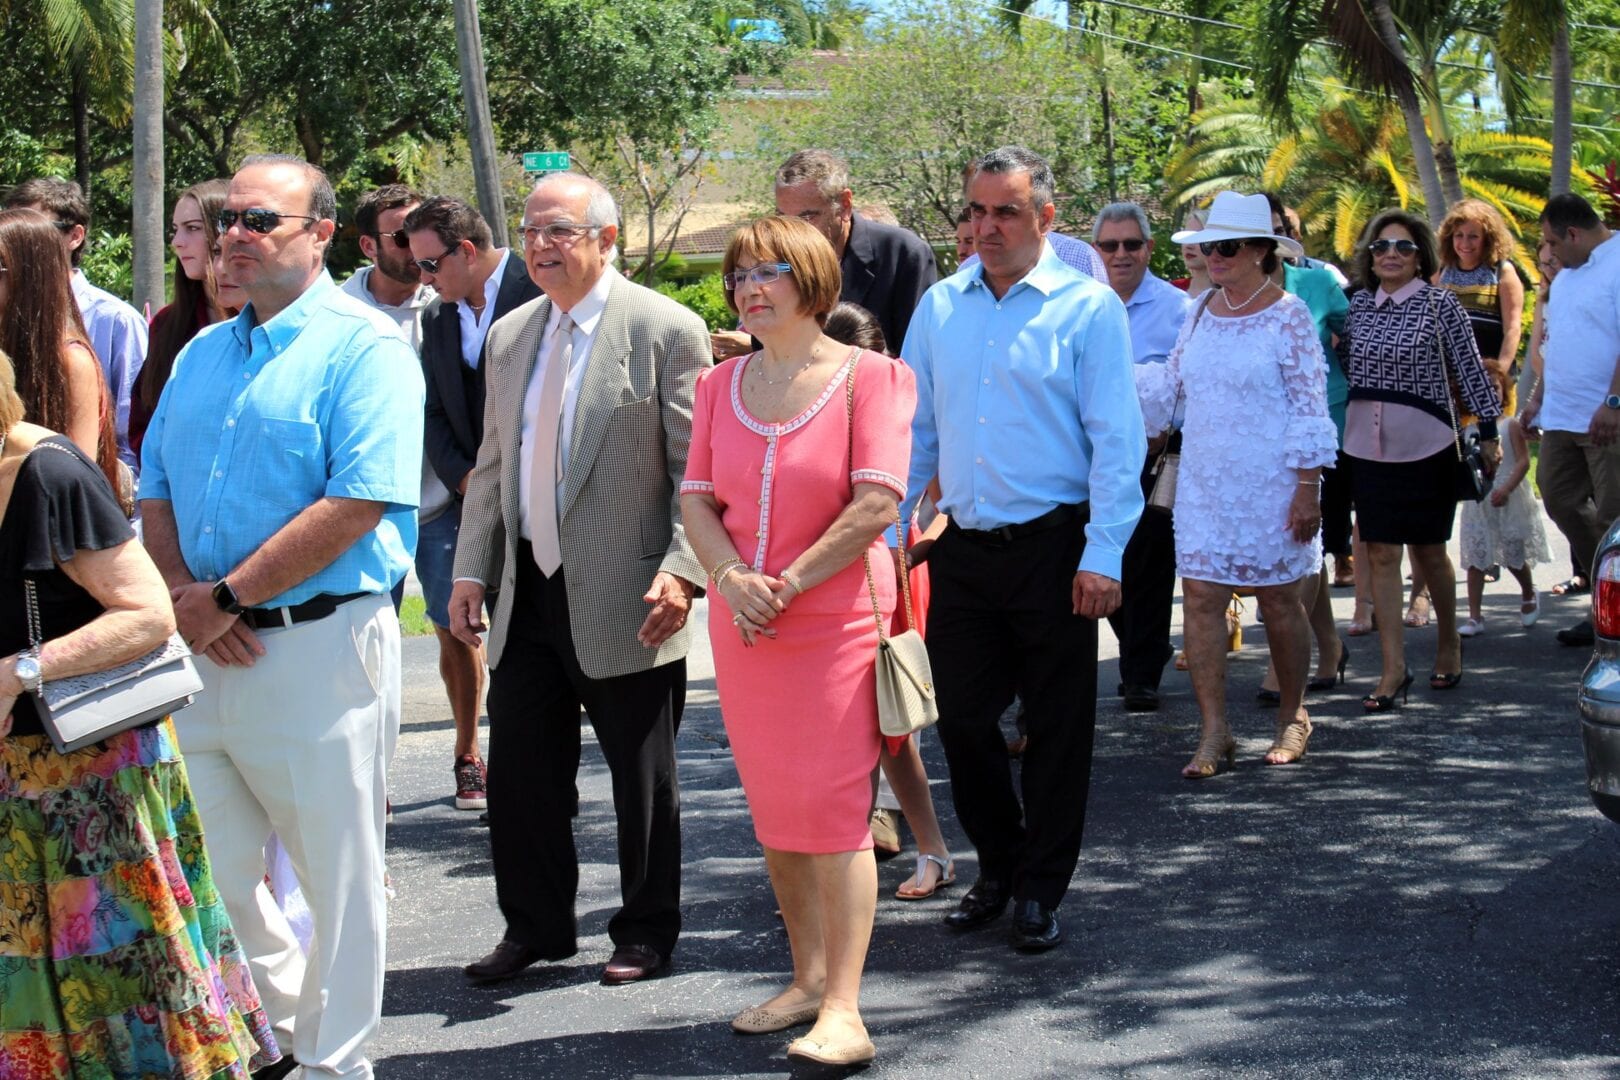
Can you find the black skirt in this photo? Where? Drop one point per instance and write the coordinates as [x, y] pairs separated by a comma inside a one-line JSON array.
[[1405, 502]]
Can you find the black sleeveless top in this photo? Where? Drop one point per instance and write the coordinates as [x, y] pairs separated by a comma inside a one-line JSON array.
[[60, 505]]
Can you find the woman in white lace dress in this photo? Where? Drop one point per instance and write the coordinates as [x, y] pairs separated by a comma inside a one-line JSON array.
[[1250, 379]]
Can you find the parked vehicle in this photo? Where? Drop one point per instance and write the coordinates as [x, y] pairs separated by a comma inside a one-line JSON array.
[[1599, 699]]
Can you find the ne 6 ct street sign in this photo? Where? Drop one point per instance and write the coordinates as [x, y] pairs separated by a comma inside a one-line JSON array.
[[546, 161]]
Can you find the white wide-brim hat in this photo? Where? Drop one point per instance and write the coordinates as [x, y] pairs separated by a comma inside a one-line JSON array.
[[1238, 217]]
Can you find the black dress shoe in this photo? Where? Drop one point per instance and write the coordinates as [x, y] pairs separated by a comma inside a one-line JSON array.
[[983, 903], [632, 963], [1579, 635], [276, 1071], [1141, 699], [1035, 929], [508, 959]]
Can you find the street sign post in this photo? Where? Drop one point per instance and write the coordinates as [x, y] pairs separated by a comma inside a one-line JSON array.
[[546, 161]]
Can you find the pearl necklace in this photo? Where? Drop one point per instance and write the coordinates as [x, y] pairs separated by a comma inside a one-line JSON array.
[[1225, 295], [759, 370]]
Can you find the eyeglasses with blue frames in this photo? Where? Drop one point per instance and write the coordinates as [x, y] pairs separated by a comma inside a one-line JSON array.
[[1403, 247], [763, 274], [561, 233], [255, 220]]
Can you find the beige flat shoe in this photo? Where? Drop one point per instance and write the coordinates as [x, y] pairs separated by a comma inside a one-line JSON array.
[[852, 1053], [762, 1021]]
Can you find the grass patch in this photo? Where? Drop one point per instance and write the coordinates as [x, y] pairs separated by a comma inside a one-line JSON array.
[[413, 620]]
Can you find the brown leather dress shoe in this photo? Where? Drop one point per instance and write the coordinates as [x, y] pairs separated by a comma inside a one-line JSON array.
[[632, 963], [508, 959]]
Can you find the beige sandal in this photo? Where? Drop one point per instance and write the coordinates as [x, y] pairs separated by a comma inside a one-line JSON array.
[[1206, 760], [1292, 737], [947, 876]]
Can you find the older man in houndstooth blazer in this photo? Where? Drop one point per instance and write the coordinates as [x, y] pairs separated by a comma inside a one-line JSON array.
[[572, 511]]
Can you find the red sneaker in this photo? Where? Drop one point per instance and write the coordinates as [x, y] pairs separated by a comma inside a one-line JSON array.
[[470, 784]]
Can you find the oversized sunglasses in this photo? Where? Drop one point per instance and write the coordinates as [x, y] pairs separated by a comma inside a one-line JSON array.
[[763, 274], [1225, 248], [1404, 247], [255, 219], [431, 266], [1108, 247]]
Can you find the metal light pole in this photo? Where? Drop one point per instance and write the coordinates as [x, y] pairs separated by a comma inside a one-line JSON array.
[[480, 130]]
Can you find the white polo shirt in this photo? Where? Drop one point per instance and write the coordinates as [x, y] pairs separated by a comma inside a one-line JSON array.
[[1583, 339]]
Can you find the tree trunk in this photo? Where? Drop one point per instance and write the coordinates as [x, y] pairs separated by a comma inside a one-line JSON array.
[[79, 102], [1434, 196], [1108, 138], [148, 173], [1562, 128], [1445, 156], [480, 129]]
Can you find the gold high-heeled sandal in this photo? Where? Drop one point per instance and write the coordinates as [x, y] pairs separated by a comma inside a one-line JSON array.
[[1206, 760], [1289, 746]]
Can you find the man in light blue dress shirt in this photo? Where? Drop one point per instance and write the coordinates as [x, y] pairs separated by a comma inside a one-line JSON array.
[[1157, 310], [282, 474], [1027, 414]]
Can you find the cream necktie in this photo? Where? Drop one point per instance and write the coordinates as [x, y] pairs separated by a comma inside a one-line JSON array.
[[546, 473]]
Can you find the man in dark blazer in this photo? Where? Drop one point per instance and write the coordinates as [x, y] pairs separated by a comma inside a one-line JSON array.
[[477, 283], [572, 517]]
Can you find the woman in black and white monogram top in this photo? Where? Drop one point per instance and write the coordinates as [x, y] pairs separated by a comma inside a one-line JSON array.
[[1406, 345]]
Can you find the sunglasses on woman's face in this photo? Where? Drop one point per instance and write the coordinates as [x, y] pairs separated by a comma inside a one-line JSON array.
[[1224, 248], [1403, 247], [1108, 247]]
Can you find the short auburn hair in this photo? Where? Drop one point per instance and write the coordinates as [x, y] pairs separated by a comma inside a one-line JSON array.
[[801, 246]]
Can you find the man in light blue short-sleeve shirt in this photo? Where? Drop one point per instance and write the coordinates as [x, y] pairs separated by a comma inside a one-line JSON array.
[[281, 475]]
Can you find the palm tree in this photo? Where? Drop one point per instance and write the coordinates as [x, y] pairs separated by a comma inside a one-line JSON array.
[[1348, 159], [1534, 33]]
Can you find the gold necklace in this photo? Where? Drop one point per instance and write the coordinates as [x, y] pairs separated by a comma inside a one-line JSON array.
[[1264, 285], [759, 370]]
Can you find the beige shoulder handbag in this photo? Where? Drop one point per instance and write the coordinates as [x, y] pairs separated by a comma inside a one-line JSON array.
[[905, 682]]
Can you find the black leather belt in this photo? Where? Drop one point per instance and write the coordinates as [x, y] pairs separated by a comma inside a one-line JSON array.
[[319, 607], [1006, 534]]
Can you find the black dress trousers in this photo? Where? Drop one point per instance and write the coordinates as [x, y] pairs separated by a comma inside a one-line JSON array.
[[1147, 590], [1001, 620], [535, 696]]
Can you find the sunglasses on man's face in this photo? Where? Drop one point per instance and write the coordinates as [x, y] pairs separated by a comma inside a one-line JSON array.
[[397, 236], [1404, 247], [255, 220], [1225, 248], [431, 266], [1108, 247]]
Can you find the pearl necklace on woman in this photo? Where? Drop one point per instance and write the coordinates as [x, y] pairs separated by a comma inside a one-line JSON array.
[[1227, 296], [759, 369]]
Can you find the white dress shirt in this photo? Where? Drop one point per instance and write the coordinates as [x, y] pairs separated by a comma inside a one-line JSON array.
[[1583, 340], [475, 326], [587, 316]]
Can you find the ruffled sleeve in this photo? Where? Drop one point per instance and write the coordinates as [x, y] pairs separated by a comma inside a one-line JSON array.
[[699, 479], [885, 401], [1159, 385], [1310, 439], [67, 505]]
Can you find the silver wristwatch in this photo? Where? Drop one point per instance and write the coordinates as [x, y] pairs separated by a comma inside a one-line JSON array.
[[28, 672]]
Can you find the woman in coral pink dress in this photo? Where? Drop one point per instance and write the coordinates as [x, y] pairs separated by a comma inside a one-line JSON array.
[[784, 494]]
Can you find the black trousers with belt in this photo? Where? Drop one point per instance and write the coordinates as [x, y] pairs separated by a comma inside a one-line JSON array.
[[1147, 589], [535, 696], [1001, 621]]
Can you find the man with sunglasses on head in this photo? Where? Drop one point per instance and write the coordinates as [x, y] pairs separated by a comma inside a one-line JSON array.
[[118, 333], [573, 512], [282, 473], [450, 245], [1156, 310]]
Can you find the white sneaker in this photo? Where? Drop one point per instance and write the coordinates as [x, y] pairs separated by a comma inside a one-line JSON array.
[[1471, 628], [1529, 617]]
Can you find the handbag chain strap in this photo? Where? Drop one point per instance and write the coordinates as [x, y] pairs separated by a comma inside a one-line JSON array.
[[1445, 375], [866, 556], [30, 594], [1180, 390]]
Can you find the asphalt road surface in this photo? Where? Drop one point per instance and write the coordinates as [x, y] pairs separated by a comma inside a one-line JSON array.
[[1428, 894]]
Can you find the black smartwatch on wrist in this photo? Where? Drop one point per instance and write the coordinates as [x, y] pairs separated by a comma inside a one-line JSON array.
[[225, 598]]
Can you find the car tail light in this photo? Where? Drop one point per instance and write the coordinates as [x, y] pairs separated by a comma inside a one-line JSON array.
[[1606, 596]]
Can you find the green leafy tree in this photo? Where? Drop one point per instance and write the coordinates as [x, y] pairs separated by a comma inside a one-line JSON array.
[[631, 87]]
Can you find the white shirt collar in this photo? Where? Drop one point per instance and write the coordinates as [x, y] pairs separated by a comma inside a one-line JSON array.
[[492, 285], [588, 312]]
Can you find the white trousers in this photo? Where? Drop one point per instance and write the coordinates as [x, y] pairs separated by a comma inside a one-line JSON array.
[[298, 743]]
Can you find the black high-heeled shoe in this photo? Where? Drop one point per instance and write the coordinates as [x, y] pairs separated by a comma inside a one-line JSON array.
[[1448, 680], [1329, 682], [1386, 702]]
